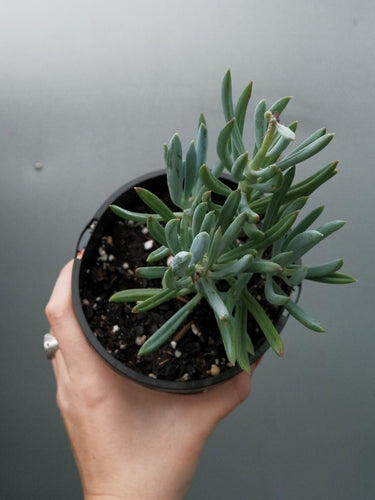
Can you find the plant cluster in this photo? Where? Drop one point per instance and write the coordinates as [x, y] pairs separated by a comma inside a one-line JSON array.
[[251, 230]]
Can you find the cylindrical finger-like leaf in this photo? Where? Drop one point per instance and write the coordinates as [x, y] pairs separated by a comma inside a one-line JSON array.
[[277, 231], [271, 295], [208, 223], [229, 209], [304, 242], [222, 146], [133, 216], [134, 295], [264, 323], [306, 152], [324, 269], [331, 227], [155, 203], [201, 145], [172, 235], [239, 166], [151, 272], [229, 270], [180, 263], [241, 107], [212, 182], [280, 105], [233, 231], [175, 170], [191, 170], [260, 123], [198, 217], [199, 246], [208, 289], [264, 266], [297, 312], [158, 254], [154, 301], [157, 231], [169, 327], [277, 200], [227, 335], [303, 225], [336, 279]]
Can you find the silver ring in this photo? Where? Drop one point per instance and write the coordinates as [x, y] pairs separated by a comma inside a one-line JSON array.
[[50, 345]]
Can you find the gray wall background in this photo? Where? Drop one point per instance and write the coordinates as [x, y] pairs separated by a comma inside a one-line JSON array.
[[93, 89]]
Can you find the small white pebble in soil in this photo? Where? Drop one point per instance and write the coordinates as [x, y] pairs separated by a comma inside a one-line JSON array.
[[152, 375], [140, 340], [185, 377], [125, 265], [103, 254], [177, 353], [144, 230], [195, 330], [259, 297], [217, 361], [98, 299], [122, 345], [111, 258], [148, 244], [115, 328], [109, 240], [86, 302], [215, 370], [173, 344]]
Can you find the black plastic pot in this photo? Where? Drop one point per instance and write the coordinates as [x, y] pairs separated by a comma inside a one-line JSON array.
[[90, 240]]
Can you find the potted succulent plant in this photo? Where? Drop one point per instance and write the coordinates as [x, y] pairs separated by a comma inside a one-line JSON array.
[[230, 247]]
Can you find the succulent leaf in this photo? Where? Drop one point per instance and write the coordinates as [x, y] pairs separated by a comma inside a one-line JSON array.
[[155, 203], [169, 327], [212, 182]]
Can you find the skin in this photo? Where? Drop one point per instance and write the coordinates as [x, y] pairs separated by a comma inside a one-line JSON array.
[[129, 442]]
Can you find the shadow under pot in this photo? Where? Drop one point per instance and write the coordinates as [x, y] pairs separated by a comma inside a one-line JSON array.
[[194, 359]]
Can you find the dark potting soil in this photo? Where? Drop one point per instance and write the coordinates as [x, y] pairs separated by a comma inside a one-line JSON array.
[[195, 352]]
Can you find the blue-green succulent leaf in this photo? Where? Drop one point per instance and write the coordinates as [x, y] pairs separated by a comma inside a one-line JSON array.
[[191, 170], [241, 107], [304, 242], [175, 170], [172, 235], [151, 272], [169, 327], [156, 230], [199, 246], [180, 263], [239, 166], [260, 123], [336, 279], [306, 152], [155, 203], [134, 294], [212, 182], [198, 216], [273, 297], [223, 142], [324, 269], [158, 254], [133, 216], [264, 323], [208, 289]]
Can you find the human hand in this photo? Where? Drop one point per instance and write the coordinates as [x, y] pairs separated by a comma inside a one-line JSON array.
[[129, 442]]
